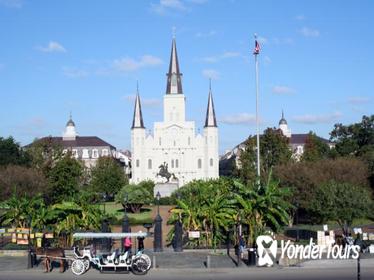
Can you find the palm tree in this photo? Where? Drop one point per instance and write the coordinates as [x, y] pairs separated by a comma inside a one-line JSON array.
[[264, 206], [19, 210], [217, 213]]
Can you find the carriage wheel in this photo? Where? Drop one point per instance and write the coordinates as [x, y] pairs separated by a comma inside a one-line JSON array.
[[86, 264], [139, 266], [148, 260], [78, 267]]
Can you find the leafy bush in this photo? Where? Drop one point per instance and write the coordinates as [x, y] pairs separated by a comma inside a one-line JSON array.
[[136, 196]]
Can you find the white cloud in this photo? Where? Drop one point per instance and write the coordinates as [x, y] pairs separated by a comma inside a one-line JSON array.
[[52, 47], [168, 5], [314, 119], [282, 41], [262, 40], [240, 118], [128, 64], [206, 34], [279, 89], [74, 72], [309, 32], [145, 102], [217, 58], [12, 3], [300, 17], [358, 100], [211, 74], [267, 60]]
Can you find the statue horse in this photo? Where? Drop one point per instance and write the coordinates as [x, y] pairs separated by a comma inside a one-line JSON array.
[[50, 255], [165, 173]]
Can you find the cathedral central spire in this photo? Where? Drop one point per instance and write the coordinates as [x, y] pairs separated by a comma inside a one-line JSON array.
[[174, 76]]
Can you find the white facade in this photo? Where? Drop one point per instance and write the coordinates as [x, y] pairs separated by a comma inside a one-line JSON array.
[[174, 140]]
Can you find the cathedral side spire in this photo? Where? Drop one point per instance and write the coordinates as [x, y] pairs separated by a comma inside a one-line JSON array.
[[137, 121], [210, 120], [174, 76]]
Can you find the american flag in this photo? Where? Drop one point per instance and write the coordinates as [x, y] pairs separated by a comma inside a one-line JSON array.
[[257, 48]]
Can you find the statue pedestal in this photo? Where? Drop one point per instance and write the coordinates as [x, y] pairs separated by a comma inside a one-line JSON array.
[[165, 189]]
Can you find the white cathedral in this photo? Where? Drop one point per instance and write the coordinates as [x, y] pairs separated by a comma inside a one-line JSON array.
[[174, 141]]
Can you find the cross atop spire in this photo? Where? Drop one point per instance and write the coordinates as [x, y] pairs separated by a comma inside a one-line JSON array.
[[210, 120], [174, 76], [137, 121]]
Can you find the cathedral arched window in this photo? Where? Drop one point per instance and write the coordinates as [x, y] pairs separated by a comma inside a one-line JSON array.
[[199, 163], [149, 164], [137, 163], [159, 141], [176, 163], [189, 141], [172, 163], [211, 162]]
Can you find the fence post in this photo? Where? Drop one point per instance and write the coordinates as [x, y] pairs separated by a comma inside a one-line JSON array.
[[358, 267], [154, 264], [208, 261]]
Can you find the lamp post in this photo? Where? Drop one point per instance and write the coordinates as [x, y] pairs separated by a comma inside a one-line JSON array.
[[239, 236], [178, 232], [157, 242], [126, 221]]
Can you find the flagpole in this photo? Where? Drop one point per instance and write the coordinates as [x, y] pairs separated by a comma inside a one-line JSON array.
[[257, 121]]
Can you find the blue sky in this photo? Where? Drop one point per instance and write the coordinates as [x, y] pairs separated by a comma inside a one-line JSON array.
[[316, 63]]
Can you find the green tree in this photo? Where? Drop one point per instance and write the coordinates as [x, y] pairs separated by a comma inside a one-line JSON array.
[[342, 202], [12, 153], [274, 150], [305, 177], [136, 196], [45, 153], [22, 181], [64, 178], [355, 139], [315, 148], [107, 177]]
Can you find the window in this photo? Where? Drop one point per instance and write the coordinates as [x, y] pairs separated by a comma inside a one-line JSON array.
[[85, 153], [159, 141], [104, 153], [189, 141], [176, 163], [172, 163], [95, 153], [199, 163], [211, 162], [174, 143], [74, 153], [149, 164], [137, 163]]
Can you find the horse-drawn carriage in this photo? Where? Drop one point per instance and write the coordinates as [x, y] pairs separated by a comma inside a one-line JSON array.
[[138, 263]]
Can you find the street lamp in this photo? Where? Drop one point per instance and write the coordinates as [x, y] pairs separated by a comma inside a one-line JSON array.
[[158, 197], [157, 241], [126, 200], [178, 231]]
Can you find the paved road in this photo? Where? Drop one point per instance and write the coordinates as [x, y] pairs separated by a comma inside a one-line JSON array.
[[342, 270]]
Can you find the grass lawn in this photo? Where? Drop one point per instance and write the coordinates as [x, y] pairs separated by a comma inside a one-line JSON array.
[[116, 209]]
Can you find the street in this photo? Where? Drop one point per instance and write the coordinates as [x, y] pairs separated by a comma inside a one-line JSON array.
[[342, 270]]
